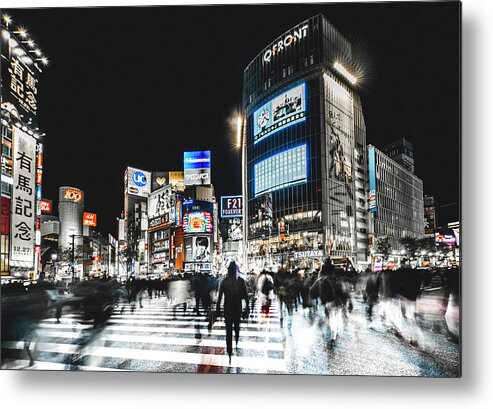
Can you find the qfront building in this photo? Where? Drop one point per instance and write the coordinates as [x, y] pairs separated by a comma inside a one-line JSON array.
[[305, 151]]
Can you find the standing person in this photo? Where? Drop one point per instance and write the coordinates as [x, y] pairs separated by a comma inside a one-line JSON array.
[[234, 290]]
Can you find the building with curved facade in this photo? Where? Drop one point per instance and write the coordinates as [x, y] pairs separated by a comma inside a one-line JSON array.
[[305, 151]]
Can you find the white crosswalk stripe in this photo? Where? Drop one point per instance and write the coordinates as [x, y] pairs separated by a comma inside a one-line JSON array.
[[153, 334]]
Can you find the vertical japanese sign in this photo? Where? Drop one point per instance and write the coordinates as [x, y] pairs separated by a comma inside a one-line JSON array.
[[19, 78], [23, 198], [373, 179]]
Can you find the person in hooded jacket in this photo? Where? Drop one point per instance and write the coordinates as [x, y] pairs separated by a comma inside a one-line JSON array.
[[234, 291]]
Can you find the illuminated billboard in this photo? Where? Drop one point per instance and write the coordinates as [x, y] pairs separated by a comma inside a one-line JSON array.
[[197, 168], [173, 178], [72, 195], [286, 109], [89, 219], [284, 169], [24, 200], [162, 202], [197, 217], [138, 182], [373, 179], [231, 206], [46, 206], [20, 74]]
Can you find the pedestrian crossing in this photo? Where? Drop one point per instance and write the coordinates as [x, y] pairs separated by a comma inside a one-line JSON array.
[[152, 338]]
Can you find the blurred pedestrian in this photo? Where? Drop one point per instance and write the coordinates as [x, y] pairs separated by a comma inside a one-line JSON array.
[[234, 290]]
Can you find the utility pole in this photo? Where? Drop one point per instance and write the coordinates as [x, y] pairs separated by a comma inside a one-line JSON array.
[[73, 257]]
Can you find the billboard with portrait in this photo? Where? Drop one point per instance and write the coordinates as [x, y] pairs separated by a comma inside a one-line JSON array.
[[197, 168], [201, 248], [284, 169], [285, 109]]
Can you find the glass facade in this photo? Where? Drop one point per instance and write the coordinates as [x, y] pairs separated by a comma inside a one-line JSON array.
[[305, 150]]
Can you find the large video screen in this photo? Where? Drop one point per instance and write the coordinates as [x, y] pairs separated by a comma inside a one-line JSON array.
[[285, 109], [281, 170]]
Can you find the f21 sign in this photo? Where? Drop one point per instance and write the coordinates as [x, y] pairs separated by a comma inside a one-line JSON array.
[[231, 206]]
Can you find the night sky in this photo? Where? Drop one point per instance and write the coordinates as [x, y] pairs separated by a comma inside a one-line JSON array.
[[137, 86]]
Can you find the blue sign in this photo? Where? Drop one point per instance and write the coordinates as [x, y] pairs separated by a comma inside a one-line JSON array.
[[285, 109], [197, 160], [373, 179], [284, 169], [139, 178]]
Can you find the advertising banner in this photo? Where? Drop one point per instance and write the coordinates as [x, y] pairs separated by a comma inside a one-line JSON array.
[[19, 78], [285, 109], [121, 229], [281, 170], [162, 202], [202, 246], [231, 206], [173, 178], [89, 219], [197, 168], [23, 203], [429, 212], [234, 229], [197, 217], [138, 182], [46, 206], [72, 195], [373, 179]]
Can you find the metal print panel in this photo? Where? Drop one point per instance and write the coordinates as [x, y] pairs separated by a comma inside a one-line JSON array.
[[326, 241]]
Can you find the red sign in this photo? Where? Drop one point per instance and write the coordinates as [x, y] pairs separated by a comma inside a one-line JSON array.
[[39, 177], [89, 219], [5, 215], [46, 205], [73, 194]]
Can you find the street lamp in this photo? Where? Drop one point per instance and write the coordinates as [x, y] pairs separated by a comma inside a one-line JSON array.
[[54, 257]]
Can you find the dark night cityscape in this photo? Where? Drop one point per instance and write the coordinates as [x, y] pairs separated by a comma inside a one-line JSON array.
[[265, 189]]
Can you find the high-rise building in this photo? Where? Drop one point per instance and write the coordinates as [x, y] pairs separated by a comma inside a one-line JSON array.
[[396, 200], [402, 152], [22, 153], [70, 211], [305, 142]]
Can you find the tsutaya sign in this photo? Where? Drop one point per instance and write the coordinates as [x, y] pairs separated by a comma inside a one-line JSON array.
[[309, 254], [284, 42]]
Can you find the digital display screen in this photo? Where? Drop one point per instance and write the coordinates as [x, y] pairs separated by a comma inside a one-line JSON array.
[[196, 167], [197, 222], [286, 109], [281, 170]]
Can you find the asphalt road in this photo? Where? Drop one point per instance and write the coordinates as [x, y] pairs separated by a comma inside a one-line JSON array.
[[153, 339]]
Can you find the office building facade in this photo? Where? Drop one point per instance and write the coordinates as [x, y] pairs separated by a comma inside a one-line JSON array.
[[305, 150]]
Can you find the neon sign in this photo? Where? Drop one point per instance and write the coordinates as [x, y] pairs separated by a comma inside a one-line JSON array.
[[283, 43]]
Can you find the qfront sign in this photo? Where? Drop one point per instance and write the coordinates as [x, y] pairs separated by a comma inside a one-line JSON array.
[[285, 42]]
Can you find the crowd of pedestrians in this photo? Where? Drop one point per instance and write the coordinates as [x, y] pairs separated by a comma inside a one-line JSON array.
[[329, 294]]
